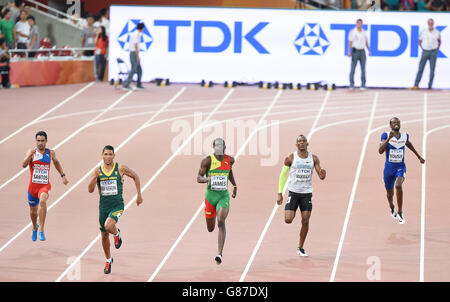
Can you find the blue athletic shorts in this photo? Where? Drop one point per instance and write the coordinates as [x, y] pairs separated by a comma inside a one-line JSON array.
[[391, 173]]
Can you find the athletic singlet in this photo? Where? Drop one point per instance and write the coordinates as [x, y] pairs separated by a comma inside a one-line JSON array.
[[219, 172], [300, 174], [40, 168], [395, 150], [110, 186]]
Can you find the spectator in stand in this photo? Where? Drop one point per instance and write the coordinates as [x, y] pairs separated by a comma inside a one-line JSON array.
[[23, 31], [7, 28], [27, 10], [421, 5], [447, 3], [103, 20], [15, 9], [88, 36], [407, 5], [435, 5], [4, 63], [101, 45], [33, 43]]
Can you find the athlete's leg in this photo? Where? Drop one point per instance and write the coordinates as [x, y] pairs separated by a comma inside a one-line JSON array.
[[289, 216], [106, 245], [221, 217], [110, 226], [305, 227], [34, 216], [390, 197], [211, 224], [399, 193], [42, 210]]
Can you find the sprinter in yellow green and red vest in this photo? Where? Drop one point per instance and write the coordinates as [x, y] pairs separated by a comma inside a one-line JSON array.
[[216, 170]]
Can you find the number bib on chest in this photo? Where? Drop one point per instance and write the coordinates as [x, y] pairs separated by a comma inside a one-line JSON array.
[[40, 176], [395, 155], [108, 187], [303, 175], [218, 183]]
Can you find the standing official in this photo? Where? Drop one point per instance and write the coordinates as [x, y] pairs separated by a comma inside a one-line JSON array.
[[135, 39], [429, 41], [357, 41]]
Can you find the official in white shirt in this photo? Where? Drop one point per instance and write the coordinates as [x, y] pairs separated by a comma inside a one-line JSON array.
[[429, 41], [357, 42], [135, 38]]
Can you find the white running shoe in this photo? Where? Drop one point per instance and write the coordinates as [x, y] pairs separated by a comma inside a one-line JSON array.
[[393, 214], [302, 252], [218, 259], [401, 219]]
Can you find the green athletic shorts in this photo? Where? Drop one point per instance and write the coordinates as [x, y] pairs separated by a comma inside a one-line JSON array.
[[114, 213]]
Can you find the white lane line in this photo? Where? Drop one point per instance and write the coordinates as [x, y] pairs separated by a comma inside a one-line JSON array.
[[276, 206], [355, 186], [48, 112], [174, 154], [71, 135], [92, 169], [186, 228], [422, 212]]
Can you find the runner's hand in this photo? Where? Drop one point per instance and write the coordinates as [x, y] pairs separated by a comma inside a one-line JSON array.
[[234, 192], [322, 174], [391, 135], [139, 200], [280, 199], [422, 161], [96, 172], [65, 181], [30, 153]]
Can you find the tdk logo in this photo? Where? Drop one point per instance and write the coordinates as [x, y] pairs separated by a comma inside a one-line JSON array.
[[129, 29], [311, 40], [236, 31], [374, 42]]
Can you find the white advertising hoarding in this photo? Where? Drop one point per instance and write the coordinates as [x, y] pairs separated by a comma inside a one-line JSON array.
[[190, 44]]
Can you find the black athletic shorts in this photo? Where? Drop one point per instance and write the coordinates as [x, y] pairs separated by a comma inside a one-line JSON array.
[[302, 200]]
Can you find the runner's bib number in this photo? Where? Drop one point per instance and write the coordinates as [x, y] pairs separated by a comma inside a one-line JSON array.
[[303, 175], [219, 183], [109, 187], [395, 155], [40, 176]]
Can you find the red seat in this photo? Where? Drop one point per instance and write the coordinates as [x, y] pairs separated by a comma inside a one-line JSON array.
[[46, 42], [67, 52]]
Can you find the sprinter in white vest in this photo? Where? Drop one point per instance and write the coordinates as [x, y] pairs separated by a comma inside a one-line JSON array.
[[300, 165]]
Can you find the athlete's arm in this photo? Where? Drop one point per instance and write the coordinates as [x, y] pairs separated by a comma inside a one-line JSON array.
[[204, 165], [385, 142], [283, 176], [321, 172], [28, 158], [411, 147], [93, 182], [233, 182], [58, 167], [124, 170]]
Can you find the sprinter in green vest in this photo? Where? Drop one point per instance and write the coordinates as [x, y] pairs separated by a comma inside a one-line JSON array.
[[215, 170], [108, 178]]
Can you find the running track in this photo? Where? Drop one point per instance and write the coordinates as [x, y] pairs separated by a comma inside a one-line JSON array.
[[165, 239]]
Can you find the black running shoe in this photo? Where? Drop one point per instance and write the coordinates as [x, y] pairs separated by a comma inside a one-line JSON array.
[[107, 269], [218, 259], [117, 240]]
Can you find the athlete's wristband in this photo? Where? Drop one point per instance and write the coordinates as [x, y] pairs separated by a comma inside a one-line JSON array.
[[62, 175]]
